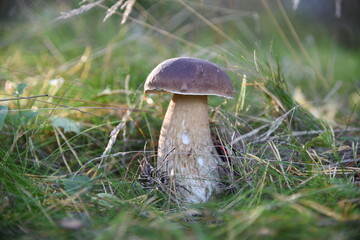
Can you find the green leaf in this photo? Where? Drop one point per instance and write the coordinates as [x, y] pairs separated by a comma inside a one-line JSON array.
[[107, 196], [20, 88], [74, 184], [3, 114], [67, 124], [106, 199], [325, 139]]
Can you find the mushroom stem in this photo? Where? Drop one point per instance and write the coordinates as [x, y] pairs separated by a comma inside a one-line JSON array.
[[186, 152]]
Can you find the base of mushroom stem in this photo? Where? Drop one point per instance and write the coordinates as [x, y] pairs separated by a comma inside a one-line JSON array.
[[152, 178], [188, 189]]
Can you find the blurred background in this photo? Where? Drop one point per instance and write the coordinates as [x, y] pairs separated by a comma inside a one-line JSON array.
[[315, 43], [339, 17]]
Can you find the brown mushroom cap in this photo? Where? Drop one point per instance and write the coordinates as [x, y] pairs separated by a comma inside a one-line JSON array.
[[189, 76]]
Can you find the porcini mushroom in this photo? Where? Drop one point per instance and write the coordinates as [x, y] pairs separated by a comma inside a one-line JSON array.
[[186, 152]]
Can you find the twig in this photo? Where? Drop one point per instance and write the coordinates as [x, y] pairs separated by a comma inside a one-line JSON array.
[[18, 98]]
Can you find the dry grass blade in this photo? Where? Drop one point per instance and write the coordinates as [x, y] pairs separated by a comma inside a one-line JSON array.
[[62, 151], [314, 132], [69, 145], [212, 26], [111, 11], [273, 97], [273, 126], [249, 135], [78, 11], [322, 209], [262, 161], [241, 99], [113, 136], [278, 157], [300, 44], [127, 5], [159, 30], [102, 157], [82, 61], [280, 30]]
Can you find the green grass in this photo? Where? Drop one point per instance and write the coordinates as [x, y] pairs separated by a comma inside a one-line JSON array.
[[289, 174]]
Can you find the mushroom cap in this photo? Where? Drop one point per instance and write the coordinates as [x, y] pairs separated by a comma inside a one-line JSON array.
[[189, 76]]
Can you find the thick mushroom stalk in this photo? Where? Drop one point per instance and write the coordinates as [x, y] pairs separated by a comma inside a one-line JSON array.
[[186, 152]]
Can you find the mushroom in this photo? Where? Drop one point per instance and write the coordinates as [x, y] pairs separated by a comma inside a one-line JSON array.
[[186, 153]]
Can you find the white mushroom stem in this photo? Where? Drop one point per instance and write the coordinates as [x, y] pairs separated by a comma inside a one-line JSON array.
[[186, 152]]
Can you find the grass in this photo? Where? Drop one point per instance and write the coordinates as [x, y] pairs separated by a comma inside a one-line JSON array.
[[287, 173]]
